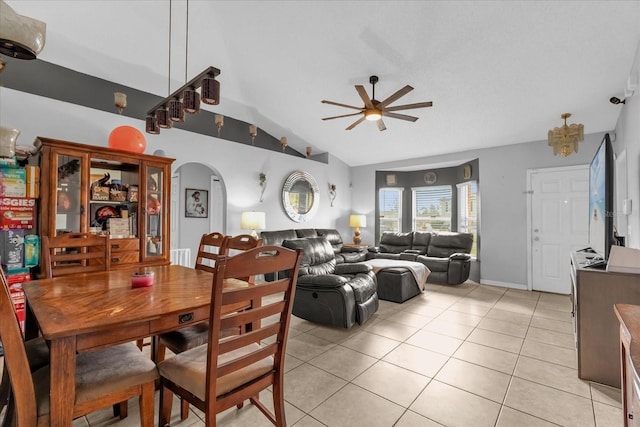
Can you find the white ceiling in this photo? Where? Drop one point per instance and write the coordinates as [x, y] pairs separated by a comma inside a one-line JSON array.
[[498, 72]]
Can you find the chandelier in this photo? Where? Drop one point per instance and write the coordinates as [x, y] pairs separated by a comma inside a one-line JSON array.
[[565, 139]]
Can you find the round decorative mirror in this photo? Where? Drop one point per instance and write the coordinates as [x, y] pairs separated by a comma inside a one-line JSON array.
[[300, 196]]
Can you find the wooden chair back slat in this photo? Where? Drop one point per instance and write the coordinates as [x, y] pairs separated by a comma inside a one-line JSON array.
[[244, 317], [75, 253]]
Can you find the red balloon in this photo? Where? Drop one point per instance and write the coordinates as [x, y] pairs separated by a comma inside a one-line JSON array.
[[127, 138]]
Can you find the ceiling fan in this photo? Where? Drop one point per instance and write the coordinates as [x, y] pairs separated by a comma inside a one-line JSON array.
[[374, 110]]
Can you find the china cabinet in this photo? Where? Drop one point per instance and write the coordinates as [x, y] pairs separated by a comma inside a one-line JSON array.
[[87, 188]]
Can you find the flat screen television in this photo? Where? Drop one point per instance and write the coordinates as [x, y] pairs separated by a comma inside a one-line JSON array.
[[601, 231]]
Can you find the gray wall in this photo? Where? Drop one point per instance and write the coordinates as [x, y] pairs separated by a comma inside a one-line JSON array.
[[628, 138], [238, 164], [503, 199]]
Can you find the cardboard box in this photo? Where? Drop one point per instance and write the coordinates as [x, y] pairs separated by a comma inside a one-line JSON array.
[[13, 182], [33, 181], [17, 294], [119, 227], [624, 260], [12, 249], [17, 213]]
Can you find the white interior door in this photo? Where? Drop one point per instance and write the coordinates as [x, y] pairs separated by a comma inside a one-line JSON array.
[[558, 223]]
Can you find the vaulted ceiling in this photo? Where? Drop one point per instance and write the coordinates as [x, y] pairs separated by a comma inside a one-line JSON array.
[[498, 72]]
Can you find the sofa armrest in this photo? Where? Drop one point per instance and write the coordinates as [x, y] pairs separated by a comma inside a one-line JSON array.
[[352, 268], [322, 280], [411, 251], [460, 256], [408, 256], [374, 249]]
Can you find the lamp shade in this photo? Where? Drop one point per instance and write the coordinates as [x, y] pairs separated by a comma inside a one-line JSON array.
[[357, 221], [252, 221]]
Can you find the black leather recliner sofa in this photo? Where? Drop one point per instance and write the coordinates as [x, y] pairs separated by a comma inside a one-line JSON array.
[[446, 254], [331, 293]]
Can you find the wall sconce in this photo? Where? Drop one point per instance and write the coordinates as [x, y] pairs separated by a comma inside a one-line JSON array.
[[263, 185], [283, 143], [253, 221], [253, 132], [120, 100], [219, 122], [332, 193], [357, 221], [309, 151]]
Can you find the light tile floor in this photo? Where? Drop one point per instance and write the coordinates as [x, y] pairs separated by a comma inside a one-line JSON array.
[[467, 355]]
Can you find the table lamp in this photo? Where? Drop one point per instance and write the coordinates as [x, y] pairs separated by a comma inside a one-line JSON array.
[[357, 221], [253, 221]]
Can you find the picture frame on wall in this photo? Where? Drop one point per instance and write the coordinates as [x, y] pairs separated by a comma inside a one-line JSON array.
[[196, 203]]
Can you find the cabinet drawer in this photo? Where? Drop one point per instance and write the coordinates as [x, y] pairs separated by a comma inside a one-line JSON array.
[[130, 257], [119, 245]]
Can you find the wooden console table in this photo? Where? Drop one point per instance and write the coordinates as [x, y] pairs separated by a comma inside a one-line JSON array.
[[595, 326]]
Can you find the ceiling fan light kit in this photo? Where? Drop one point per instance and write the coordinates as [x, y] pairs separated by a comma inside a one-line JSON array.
[[374, 110]]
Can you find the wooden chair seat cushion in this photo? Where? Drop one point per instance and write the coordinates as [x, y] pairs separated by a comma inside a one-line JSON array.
[[189, 370], [101, 373], [186, 338], [37, 353]]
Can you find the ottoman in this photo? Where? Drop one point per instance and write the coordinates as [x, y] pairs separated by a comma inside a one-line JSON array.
[[396, 284]]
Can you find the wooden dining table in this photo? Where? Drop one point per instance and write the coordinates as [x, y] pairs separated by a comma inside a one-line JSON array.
[[85, 312]]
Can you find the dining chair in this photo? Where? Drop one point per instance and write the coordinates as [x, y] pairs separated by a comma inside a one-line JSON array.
[[37, 352], [229, 370], [103, 377], [74, 253]]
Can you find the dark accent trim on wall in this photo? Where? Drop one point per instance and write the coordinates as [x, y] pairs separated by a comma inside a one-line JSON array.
[[63, 84]]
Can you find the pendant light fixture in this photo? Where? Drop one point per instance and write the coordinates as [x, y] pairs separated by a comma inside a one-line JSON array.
[[186, 99]]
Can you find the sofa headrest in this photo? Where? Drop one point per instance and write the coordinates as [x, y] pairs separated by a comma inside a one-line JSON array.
[[277, 237], [318, 257], [333, 236], [306, 232], [444, 244], [395, 242], [421, 240]]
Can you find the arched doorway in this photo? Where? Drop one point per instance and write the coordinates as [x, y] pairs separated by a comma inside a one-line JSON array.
[[186, 230]]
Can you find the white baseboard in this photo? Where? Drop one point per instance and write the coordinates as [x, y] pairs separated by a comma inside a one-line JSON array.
[[503, 284]]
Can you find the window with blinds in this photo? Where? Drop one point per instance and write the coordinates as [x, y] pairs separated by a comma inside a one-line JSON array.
[[432, 208], [468, 211], [390, 208]]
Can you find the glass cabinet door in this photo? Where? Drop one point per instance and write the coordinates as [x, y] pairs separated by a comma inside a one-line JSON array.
[[69, 203], [153, 212]]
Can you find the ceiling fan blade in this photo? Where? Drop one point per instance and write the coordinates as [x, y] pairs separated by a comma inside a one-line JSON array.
[[402, 92], [399, 116], [341, 105], [363, 94], [381, 125], [410, 106], [344, 115], [356, 123]]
